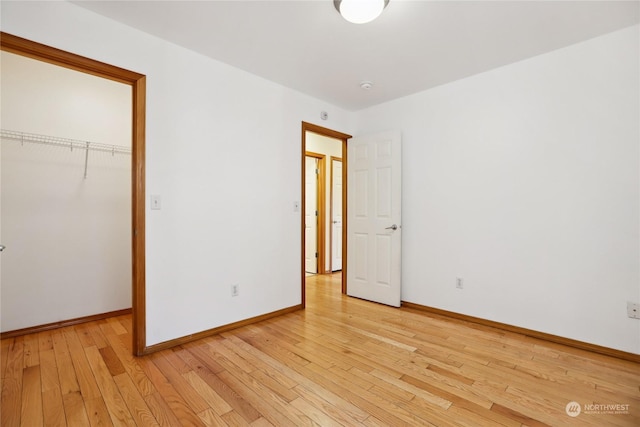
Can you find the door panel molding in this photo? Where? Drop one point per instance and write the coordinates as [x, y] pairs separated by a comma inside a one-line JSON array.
[[41, 52]]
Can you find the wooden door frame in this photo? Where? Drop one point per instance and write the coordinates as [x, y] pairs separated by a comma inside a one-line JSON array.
[[309, 127], [40, 52], [331, 159], [321, 208]]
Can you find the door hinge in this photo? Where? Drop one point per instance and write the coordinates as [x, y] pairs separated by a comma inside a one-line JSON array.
[[316, 213], [317, 171], [316, 254]]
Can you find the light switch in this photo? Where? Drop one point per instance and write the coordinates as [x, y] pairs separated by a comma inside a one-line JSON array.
[[155, 202]]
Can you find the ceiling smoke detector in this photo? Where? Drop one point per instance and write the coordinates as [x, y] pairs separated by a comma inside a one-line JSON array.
[[366, 85]]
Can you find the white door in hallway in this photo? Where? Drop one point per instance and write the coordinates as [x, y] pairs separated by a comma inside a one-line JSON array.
[[336, 213], [374, 218], [311, 215]]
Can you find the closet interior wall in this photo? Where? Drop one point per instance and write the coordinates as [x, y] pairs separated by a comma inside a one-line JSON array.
[[65, 212]]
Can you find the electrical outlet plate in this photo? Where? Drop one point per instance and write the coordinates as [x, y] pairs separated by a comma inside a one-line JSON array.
[[459, 283], [235, 290], [633, 310]]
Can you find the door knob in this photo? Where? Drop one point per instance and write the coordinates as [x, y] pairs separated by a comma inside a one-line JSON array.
[[393, 227], [2, 248]]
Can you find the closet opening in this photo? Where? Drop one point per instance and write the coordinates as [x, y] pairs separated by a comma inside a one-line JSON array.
[[81, 167]]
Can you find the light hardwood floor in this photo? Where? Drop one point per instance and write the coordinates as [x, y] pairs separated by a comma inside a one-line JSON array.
[[342, 361]]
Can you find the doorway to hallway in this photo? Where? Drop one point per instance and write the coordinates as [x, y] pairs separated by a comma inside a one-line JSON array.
[[326, 253]]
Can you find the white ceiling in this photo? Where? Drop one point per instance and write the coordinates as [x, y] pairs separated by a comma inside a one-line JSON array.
[[412, 46]]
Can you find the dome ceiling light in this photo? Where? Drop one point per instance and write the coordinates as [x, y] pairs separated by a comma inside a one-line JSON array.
[[360, 11]]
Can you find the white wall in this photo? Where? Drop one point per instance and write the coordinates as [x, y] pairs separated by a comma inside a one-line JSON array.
[[330, 147], [68, 239], [223, 152], [525, 182]]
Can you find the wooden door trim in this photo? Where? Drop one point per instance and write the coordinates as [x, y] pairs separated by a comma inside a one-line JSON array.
[[331, 159], [321, 206], [41, 52], [309, 127]]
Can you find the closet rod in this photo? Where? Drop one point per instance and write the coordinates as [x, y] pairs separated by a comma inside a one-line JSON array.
[[63, 142]]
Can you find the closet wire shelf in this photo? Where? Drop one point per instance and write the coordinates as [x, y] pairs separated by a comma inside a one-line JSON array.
[[63, 142], [71, 144]]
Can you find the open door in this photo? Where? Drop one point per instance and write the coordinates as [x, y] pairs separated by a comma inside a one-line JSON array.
[[336, 214], [311, 216], [374, 216]]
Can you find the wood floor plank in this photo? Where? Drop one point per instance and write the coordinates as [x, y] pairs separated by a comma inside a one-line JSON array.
[[84, 375], [116, 325], [118, 410], [11, 395], [315, 413], [173, 399], [261, 422], [4, 352], [221, 347], [410, 388], [49, 370], [232, 418], [111, 360], [53, 408], [211, 419], [96, 333], [31, 350], [259, 362], [338, 409], [236, 401], [131, 364], [276, 411], [178, 364], [215, 402], [66, 371], [32, 415], [97, 412], [84, 335], [45, 342], [190, 396], [361, 398], [138, 408], [52, 404], [458, 401], [161, 410], [285, 393], [74, 409]]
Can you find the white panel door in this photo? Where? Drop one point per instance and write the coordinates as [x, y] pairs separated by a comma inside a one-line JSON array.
[[336, 213], [374, 217], [311, 215]]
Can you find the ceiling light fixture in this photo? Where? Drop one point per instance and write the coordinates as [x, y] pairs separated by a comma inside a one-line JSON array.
[[360, 11]]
